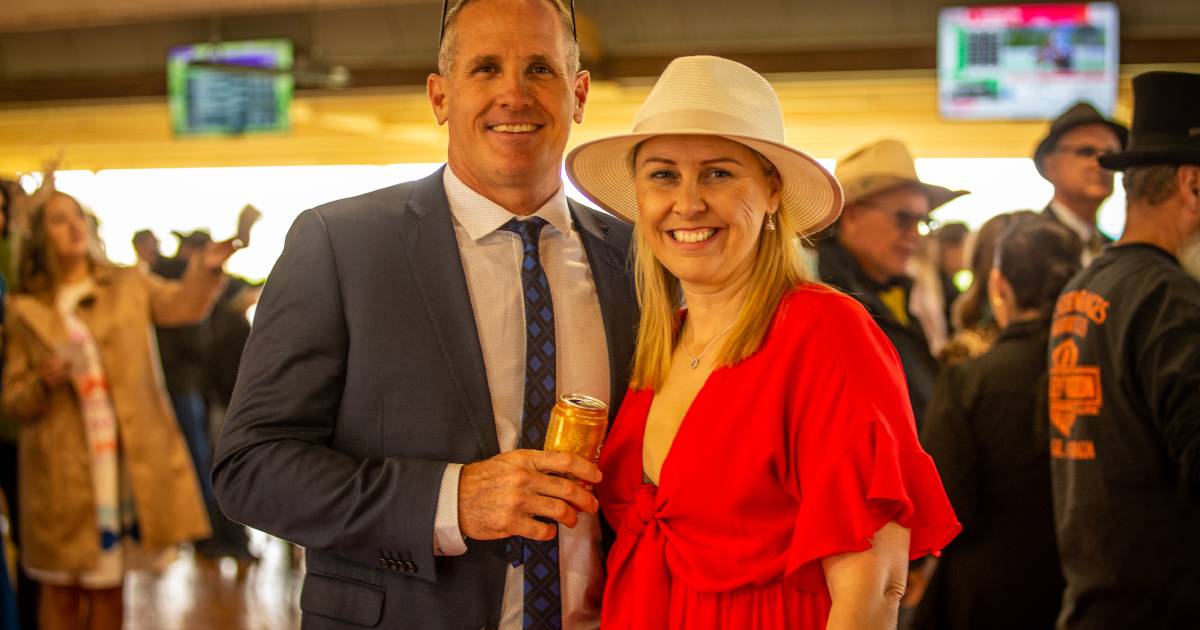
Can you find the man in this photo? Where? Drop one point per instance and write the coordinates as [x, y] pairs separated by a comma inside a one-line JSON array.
[[1125, 387], [872, 244], [407, 332], [1066, 158], [145, 247]]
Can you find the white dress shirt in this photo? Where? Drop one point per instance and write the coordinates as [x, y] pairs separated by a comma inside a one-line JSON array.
[[1087, 232], [491, 259]]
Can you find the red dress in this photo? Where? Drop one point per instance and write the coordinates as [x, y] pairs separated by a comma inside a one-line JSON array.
[[800, 452]]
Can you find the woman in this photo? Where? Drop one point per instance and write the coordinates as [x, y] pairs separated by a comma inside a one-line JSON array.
[[105, 477], [973, 320], [987, 432], [764, 471]]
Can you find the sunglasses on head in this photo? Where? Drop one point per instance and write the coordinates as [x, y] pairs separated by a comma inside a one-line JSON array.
[[446, 7]]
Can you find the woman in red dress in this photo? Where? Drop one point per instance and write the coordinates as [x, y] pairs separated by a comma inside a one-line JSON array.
[[763, 471]]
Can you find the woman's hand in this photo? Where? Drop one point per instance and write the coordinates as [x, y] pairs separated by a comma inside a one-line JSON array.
[[54, 372]]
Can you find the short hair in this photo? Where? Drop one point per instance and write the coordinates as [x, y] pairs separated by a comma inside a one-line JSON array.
[[1038, 256], [1151, 185], [449, 44], [952, 234]]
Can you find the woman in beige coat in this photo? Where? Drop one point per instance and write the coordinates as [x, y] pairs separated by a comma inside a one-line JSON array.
[[108, 482]]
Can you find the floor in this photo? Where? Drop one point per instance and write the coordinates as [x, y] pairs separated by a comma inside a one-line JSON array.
[[197, 593]]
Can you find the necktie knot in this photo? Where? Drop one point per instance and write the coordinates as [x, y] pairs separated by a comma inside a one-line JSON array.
[[529, 230]]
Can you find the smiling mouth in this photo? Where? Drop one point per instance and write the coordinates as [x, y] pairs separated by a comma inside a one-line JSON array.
[[515, 129], [692, 236]]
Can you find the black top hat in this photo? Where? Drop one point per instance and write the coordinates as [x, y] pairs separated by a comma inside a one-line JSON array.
[[1079, 114], [1166, 122]]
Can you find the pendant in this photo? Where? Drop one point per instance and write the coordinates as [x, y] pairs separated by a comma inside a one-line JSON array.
[[695, 363]]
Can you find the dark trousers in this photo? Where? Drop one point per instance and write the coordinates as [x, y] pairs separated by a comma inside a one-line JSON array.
[[26, 589]]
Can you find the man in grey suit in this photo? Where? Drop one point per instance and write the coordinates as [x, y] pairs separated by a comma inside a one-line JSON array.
[[408, 345]]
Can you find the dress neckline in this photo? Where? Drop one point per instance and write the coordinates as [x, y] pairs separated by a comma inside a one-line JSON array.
[[678, 432]]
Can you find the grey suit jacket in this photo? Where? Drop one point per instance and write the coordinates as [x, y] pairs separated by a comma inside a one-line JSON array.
[[362, 378]]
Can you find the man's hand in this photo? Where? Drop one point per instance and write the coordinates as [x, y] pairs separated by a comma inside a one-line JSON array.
[[499, 497]]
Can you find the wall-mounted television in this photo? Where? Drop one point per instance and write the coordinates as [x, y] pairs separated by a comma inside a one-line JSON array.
[[1026, 61], [230, 88]]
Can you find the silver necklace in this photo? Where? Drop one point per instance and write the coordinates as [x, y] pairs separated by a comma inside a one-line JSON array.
[[696, 359]]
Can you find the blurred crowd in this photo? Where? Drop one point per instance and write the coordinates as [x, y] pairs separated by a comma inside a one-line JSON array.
[[116, 380]]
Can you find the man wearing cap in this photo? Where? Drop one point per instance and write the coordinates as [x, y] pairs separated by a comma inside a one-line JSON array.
[[1066, 158], [1124, 395], [871, 245], [409, 344]]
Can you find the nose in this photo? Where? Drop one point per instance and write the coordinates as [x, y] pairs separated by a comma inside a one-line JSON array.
[[688, 200], [514, 92]]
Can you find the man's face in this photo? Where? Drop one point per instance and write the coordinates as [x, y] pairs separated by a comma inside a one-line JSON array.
[[509, 98], [1072, 166], [881, 230]]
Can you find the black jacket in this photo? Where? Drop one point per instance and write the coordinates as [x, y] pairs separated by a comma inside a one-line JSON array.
[[986, 430], [837, 267], [1125, 441]]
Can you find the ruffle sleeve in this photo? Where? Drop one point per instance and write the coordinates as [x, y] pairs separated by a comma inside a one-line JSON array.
[[855, 460], [873, 483]]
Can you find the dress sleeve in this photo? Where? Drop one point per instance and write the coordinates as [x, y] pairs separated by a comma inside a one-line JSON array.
[[855, 463]]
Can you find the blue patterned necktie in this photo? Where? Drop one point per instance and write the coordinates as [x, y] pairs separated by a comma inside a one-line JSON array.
[[543, 593]]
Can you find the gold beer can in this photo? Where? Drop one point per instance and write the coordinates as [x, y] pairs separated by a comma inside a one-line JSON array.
[[577, 425]]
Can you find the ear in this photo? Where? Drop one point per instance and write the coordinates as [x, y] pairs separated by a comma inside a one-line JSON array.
[[435, 88], [583, 83], [1188, 182], [775, 185]]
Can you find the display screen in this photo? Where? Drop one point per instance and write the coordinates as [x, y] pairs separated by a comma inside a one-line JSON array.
[[1026, 61], [230, 87]]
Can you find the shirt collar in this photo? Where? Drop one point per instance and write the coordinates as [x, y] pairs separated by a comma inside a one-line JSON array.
[[481, 216], [1069, 219]]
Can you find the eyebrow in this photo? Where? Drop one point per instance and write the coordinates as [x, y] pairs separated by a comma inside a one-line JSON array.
[[480, 60], [662, 160]]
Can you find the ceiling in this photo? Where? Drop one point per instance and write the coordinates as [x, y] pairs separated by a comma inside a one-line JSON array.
[[88, 76]]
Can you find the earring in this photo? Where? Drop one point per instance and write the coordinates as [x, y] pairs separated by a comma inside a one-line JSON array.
[[770, 226]]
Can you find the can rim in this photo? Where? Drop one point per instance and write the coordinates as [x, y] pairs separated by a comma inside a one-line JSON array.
[[583, 401]]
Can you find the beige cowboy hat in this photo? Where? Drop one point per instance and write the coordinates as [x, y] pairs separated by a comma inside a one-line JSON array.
[[709, 96], [883, 165]]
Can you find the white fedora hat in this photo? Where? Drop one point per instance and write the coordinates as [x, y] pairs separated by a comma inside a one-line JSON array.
[[710, 96]]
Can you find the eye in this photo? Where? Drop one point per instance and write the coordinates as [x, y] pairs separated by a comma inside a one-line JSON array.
[[661, 174], [484, 68], [719, 173], [541, 68]]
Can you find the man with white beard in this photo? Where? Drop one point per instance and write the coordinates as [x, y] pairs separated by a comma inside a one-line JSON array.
[[1125, 387]]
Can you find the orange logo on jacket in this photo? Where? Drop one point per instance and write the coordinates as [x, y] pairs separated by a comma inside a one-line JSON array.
[[1074, 389]]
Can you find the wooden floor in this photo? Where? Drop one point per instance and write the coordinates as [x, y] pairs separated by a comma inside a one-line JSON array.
[[196, 593]]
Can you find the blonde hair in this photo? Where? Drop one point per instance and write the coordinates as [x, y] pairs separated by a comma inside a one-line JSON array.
[[778, 268]]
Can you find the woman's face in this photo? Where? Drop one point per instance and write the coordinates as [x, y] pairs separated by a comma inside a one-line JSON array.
[[702, 201], [66, 228]]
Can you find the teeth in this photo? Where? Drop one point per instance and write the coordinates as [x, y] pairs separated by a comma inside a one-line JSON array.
[[515, 128], [693, 236]]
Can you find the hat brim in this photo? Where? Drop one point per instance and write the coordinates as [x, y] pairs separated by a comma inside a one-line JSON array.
[[938, 196], [603, 171], [1148, 157]]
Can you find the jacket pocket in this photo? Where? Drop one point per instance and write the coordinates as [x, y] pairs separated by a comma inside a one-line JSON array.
[[342, 599]]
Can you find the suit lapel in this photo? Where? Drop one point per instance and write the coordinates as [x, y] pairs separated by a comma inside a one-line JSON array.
[[432, 250], [610, 273]]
